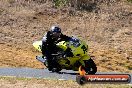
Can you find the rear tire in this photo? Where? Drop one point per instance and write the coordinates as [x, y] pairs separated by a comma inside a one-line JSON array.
[[90, 66], [56, 70]]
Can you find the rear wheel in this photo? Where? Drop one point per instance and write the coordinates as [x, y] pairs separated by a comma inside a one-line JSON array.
[[56, 69], [52, 65], [90, 66]]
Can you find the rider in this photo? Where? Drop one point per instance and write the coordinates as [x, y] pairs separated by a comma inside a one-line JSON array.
[[49, 42]]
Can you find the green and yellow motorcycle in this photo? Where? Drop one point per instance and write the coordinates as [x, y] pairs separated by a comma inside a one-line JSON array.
[[80, 57]]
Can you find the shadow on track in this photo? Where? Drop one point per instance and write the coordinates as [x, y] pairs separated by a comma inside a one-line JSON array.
[[66, 73]]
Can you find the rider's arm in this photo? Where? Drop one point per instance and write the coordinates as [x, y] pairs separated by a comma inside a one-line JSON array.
[[65, 38]]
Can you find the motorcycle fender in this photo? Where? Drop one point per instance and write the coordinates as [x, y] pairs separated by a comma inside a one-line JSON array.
[[86, 57]]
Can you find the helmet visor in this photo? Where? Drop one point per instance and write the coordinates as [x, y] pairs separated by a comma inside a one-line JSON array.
[[56, 34]]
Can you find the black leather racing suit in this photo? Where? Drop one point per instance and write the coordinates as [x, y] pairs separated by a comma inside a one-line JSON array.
[[49, 47]]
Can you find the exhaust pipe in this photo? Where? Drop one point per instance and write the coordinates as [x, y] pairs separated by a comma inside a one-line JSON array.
[[39, 58]]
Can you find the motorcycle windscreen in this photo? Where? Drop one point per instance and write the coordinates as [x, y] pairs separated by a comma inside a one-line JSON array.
[[38, 45]]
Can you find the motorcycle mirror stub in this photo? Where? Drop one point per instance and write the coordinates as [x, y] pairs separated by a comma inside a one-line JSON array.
[[104, 78]]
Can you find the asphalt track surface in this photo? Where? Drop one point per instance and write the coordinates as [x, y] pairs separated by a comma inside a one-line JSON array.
[[44, 73]]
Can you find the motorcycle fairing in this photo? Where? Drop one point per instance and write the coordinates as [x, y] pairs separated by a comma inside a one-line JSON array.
[[38, 45]]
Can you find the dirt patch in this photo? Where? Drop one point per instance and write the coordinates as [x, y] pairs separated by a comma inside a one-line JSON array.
[[107, 32]]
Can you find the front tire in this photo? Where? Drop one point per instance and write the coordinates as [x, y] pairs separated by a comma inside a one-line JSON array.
[[90, 66], [81, 80]]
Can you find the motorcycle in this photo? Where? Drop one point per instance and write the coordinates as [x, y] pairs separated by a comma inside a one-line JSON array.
[[81, 58]]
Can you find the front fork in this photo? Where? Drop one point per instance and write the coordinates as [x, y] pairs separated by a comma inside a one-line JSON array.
[[82, 59]]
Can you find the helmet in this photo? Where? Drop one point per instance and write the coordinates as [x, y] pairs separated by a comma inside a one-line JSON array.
[[55, 29]]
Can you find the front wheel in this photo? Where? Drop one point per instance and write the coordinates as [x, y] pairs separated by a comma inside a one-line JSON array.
[[90, 66], [81, 80]]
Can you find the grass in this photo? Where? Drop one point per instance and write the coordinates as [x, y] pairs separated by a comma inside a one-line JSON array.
[[129, 1], [55, 83]]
